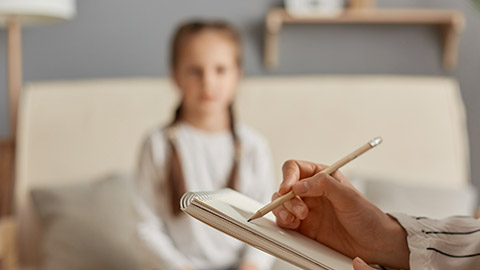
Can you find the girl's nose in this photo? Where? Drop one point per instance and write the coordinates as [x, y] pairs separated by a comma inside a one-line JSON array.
[[208, 82]]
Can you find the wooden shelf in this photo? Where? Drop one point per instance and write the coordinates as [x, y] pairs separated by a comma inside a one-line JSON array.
[[452, 23]]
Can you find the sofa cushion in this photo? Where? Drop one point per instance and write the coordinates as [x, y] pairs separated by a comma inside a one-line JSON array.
[[434, 202], [87, 226]]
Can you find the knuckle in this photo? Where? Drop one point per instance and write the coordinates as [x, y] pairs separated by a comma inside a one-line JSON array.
[[322, 183], [288, 164], [321, 166], [294, 224], [322, 179], [288, 206]]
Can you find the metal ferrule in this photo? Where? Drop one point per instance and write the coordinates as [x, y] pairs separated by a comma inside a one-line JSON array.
[[375, 142]]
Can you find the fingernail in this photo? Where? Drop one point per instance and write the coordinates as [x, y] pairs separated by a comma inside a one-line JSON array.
[[360, 261], [298, 210], [302, 187], [283, 215]]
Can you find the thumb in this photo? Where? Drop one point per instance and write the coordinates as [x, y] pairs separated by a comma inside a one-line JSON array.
[[359, 264]]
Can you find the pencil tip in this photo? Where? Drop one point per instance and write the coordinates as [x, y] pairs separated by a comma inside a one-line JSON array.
[[249, 220]]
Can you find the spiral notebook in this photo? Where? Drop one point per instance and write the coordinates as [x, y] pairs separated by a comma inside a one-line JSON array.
[[227, 211]]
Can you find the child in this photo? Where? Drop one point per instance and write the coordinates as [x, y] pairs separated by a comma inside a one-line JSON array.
[[202, 149]]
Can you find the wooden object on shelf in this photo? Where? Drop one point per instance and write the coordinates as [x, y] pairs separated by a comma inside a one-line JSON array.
[[6, 176], [451, 21], [355, 4]]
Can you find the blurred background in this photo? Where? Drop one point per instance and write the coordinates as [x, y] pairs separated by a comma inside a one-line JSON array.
[[131, 39]]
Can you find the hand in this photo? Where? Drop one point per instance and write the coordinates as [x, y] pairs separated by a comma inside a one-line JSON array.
[[186, 268], [247, 266], [359, 264], [331, 211]]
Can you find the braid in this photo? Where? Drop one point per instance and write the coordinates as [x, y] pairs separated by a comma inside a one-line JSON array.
[[233, 177], [175, 173], [177, 115]]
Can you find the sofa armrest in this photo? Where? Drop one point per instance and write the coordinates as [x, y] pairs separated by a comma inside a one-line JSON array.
[[8, 243]]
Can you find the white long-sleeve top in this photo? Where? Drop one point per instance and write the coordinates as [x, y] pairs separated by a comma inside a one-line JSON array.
[[207, 158], [452, 243]]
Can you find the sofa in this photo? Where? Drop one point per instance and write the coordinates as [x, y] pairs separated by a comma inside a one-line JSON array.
[[78, 143]]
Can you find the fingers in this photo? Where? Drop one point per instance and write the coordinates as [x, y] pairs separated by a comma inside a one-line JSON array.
[[359, 264], [297, 207], [247, 266], [295, 170], [285, 218], [322, 185], [314, 186]]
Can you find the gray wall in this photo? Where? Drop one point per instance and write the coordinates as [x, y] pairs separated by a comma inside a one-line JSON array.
[[117, 38]]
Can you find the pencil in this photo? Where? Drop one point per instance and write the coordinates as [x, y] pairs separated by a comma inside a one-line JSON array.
[[331, 169]]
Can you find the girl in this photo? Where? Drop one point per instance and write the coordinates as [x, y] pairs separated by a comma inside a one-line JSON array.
[[201, 149]]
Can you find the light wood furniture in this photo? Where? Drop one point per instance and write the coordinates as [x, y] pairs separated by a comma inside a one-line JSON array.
[[14, 31], [14, 14], [452, 23], [7, 145], [8, 244], [6, 176]]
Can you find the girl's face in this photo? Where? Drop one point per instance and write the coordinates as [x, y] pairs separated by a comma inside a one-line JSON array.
[[207, 73]]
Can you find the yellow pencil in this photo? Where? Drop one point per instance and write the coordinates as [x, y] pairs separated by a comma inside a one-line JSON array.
[[331, 169]]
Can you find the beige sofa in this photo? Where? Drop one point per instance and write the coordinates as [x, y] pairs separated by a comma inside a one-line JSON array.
[[76, 131]]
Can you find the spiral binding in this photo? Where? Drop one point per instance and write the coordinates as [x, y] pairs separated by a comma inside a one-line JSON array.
[[189, 197]]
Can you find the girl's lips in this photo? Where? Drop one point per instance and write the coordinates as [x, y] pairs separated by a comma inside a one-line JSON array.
[[207, 98]]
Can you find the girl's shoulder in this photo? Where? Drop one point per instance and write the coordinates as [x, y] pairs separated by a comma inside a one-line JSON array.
[[155, 140], [250, 137]]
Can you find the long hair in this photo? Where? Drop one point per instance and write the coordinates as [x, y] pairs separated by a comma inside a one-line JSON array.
[[174, 167]]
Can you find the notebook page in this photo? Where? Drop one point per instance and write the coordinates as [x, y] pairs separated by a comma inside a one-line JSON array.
[[238, 208], [226, 225]]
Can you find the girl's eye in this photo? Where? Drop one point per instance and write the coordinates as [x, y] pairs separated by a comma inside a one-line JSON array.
[[194, 71], [221, 70]]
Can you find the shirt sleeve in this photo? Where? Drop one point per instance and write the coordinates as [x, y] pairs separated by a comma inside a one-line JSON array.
[[263, 169], [452, 243], [155, 243]]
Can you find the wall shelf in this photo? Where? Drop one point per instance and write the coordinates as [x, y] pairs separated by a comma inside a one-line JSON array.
[[450, 21]]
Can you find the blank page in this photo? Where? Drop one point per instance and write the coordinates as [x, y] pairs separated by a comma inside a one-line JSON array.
[[237, 208]]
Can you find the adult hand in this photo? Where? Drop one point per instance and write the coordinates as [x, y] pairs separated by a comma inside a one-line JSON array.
[[247, 266], [186, 268], [331, 211], [359, 264]]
